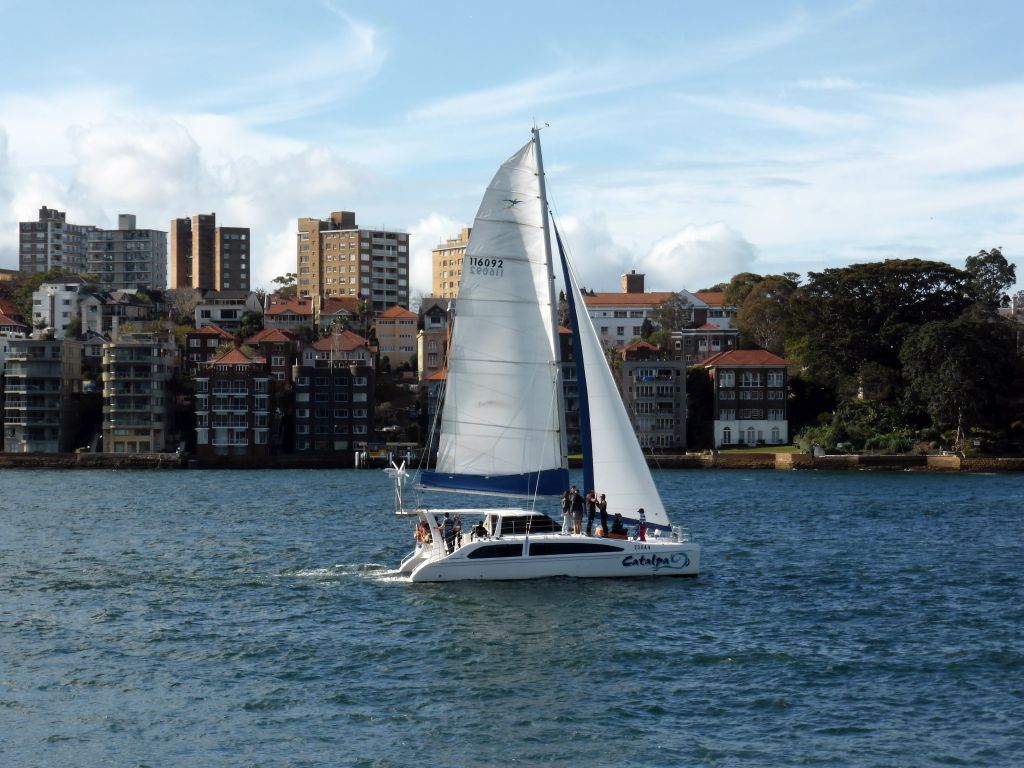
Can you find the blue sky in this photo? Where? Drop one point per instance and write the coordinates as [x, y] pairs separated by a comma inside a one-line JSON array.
[[688, 140]]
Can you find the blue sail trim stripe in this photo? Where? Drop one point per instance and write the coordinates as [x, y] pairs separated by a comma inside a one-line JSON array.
[[586, 439], [548, 482]]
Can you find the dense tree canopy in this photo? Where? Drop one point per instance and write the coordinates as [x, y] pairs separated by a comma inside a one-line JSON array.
[[673, 314], [962, 369], [847, 317]]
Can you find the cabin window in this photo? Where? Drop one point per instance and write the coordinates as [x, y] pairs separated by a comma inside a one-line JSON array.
[[534, 524], [570, 548], [496, 550]]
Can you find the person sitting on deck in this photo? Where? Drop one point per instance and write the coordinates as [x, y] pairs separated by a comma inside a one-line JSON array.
[[479, 531], [618, 529], [423, 533]]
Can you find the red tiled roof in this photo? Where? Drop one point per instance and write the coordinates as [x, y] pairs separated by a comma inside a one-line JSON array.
[[293, 306], [345, 341], [744, 357], [7, 308], [396, 311], [711, 298], [271, 334], [213, 330], [235, 355], [709, 327], [333, 305], [6, 320], [653, 298]]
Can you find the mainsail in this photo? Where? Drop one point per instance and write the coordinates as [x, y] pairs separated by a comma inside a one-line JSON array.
[[501, 425]]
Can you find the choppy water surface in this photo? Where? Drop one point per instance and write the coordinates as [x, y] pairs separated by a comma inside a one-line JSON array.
[[249, 618]]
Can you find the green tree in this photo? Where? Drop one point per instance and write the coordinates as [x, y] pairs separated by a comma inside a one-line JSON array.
[[962, 370], [991, 275], [674, 313], [252, 323], [761, 317], [738, 288], [288, 284], [846, 317]]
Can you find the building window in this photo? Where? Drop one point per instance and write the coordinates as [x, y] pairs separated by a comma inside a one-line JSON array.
[[726, 379]]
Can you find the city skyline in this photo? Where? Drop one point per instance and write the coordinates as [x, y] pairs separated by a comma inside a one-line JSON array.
[[687, 142]]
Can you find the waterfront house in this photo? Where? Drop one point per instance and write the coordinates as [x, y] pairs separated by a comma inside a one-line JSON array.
[[104, 312], [432, 336], [288, 313], [333, 404], [749, 390]]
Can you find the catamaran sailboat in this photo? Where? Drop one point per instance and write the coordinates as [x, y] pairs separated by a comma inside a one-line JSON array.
[[503, 420]]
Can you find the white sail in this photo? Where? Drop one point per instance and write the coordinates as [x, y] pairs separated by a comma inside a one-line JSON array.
[[620, 469], [501, 414]]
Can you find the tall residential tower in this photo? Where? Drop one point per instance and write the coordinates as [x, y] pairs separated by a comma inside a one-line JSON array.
[[52, 243], [334, 258], [206, 256]]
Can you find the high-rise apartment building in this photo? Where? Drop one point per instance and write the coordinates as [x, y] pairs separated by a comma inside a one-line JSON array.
[[335, 258], [136, 400], [39, 412], [446, 265], [127, 258], [52, 243], [206, 256]]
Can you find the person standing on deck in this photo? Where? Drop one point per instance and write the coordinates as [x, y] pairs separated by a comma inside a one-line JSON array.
[[641, 527], [448, 533], [566, 513], [591, 511], [576, 503], [602, 505]]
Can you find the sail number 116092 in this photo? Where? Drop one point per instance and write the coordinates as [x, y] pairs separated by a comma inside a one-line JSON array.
[[489, 267]]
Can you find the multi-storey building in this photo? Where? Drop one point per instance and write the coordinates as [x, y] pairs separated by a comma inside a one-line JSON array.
[[55, 305], [396, 335], [128, 258], [334, 257], [137, 413], [334, 404], [281, 349], [619, 317], [202, 344], [104, 312], [52, 243], [234, 406], [40, 376], [341, 345], [432, 336], [653, 390], [446, 265], [695, 345], [206, 256], [226, 308], [749, 387]]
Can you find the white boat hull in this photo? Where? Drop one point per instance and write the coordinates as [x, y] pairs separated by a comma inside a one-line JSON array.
[[621, 558]]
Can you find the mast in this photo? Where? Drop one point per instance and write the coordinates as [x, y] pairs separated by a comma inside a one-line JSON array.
[[553, 303]]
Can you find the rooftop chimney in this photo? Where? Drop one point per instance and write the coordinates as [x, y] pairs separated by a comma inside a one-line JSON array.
[[633, 283]]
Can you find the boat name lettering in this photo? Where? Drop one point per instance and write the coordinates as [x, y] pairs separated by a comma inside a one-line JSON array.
[[675, 561]]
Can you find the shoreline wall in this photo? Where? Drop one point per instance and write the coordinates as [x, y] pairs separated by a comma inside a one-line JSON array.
[[775, 461]]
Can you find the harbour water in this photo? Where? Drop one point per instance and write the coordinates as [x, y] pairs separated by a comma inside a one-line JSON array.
[[250, 618]]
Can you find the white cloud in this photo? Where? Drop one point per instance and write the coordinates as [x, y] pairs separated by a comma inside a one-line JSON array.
[[696, 257], [424, 235], [827, 84]]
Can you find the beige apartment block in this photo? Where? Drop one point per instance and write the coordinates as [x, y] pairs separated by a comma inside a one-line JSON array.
[[336, 258], [446, 265]]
